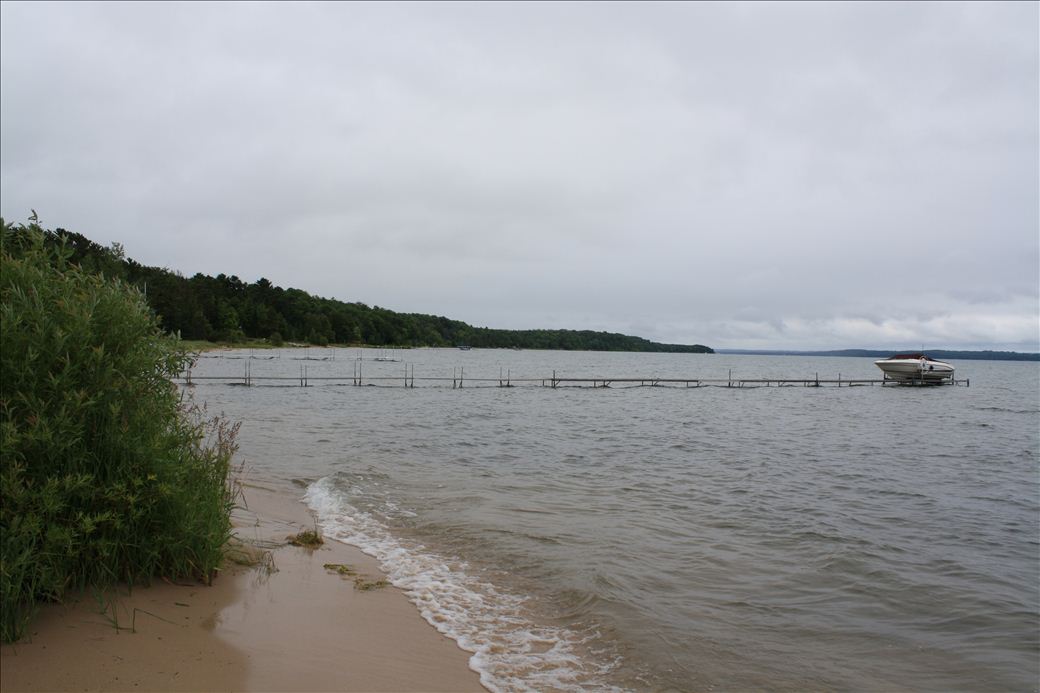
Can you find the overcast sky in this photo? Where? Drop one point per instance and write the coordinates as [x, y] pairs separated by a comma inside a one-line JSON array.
[[820, 175]]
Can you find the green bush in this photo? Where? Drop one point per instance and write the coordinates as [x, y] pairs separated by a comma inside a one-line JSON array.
[[106, 475]]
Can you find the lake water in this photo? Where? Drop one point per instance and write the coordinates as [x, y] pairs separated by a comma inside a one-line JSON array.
[[672, 538]]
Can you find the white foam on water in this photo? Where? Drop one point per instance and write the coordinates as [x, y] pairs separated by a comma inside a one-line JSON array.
[[508, 651]]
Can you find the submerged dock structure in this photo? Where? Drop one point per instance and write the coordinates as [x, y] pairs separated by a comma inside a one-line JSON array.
[[459, 380]]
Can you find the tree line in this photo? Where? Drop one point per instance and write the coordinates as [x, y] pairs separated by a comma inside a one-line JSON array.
[[228, 309]]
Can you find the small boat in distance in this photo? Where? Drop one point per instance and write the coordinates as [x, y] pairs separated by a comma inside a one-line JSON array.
[[915, 368]]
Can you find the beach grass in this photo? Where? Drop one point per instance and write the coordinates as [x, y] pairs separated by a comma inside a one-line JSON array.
[[107, 475]]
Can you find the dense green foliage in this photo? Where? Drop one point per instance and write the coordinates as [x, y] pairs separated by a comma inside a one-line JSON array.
[[225, 308], [105, 474]]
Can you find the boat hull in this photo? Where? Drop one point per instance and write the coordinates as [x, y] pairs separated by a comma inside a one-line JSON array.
[[916, 370]]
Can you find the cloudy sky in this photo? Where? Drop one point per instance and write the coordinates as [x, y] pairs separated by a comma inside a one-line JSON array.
[[818, 175]]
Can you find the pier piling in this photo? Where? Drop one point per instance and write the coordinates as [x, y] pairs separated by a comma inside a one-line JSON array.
[[556, 381]]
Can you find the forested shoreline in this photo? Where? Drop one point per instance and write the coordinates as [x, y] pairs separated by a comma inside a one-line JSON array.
[[228, 309]]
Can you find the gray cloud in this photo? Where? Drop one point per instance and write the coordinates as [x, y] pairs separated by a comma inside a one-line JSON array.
[[797, 175]]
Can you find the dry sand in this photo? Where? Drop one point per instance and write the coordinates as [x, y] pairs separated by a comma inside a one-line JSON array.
[[300, 628]]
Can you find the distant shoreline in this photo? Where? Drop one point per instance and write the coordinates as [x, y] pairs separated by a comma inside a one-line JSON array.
[[967, 355], [985, 355]]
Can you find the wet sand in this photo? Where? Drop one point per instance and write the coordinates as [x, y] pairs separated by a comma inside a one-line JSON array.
[[301, 627]]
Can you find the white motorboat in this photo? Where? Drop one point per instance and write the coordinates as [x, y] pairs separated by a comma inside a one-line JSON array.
[[915, 368]]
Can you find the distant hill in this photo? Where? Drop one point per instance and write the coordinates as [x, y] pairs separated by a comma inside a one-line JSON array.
[[224, 308], [869, 353]]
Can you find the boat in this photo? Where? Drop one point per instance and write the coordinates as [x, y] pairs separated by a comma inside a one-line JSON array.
[[915, 368]]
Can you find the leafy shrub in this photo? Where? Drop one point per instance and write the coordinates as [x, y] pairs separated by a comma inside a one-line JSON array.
[[105, 474]]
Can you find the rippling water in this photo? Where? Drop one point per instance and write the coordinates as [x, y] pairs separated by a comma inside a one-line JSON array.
[[669, 538]]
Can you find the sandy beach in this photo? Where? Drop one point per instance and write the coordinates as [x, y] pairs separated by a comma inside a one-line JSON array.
[[300, 627]]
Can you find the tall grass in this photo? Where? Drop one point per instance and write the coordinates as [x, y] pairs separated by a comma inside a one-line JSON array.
[[105, 475]]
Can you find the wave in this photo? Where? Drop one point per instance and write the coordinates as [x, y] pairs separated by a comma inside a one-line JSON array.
[[508, 650], [1009, 410]]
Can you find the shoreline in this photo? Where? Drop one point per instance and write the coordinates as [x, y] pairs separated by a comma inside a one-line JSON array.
[[301, 627]]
